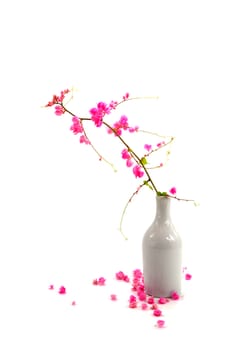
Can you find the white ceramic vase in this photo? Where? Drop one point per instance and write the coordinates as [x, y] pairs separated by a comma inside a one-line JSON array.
[[162, 253]]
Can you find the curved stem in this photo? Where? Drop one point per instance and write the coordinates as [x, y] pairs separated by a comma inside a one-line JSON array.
[[126, 206], [138, 98]]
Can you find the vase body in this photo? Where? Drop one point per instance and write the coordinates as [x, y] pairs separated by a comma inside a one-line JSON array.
[[162, 253]]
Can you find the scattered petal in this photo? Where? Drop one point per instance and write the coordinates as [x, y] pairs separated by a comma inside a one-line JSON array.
[[154, 306], [188, 276], [101, 281], [62, 290], [144, 306], [162, 301], [160, 323], [150, 300], [157, 312], [175, 296], [133, 305]]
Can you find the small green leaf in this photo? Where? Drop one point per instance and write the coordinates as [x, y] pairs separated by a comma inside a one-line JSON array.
[[162, 194], [144, 160], [147, 184]]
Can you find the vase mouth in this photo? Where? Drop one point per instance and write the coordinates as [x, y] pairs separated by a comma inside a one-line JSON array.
[[163, 197]]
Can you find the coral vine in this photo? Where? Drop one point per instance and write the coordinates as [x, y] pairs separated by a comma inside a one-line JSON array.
[[139, 164]]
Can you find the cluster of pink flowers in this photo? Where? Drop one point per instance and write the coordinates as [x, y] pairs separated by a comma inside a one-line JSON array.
[[98, 113], [58, 99], [136, 162], [137, 169], [99, 281], [141, 300], [97, 116], [120, 276], [120, 125], [138, 299]]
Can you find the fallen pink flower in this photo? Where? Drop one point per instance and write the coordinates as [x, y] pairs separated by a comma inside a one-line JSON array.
[[101, 281], [133, 305], [157, 312], [188, 276], [62, 290], [160, 323], [175, 296], [144, 306], [162, 301], [150, 300]]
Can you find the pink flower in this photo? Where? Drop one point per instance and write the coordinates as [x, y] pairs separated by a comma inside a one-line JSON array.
[[147, 147], [73, 303], [131, 129], [120, 275], [62, 290], [125, 154], [59, 110], [132, 298], [175, 296], [84, 139], [51, 287], [162, 301], [135, 284], [154, 306], [113, 297], [157, 312], [144, 306], [160, 144], [129, 163], [188, 276], [103, 108], [76, 127], [97, 114], [126, 278], [123, 122], [58, 99], [137, 170], [101, 281], [113, 104], [133, 305], [150, 300], [140, 288], [96, 117], [126, 96], [142, 296], [137, 273], [160, 323], [173, 190]]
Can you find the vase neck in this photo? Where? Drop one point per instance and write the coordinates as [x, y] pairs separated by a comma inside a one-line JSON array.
[[163, 207]]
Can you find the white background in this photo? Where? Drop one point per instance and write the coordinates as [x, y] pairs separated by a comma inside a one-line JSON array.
[[60, 207]]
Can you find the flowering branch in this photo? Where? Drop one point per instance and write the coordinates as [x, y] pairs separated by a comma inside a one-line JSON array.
[[138, 164]]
